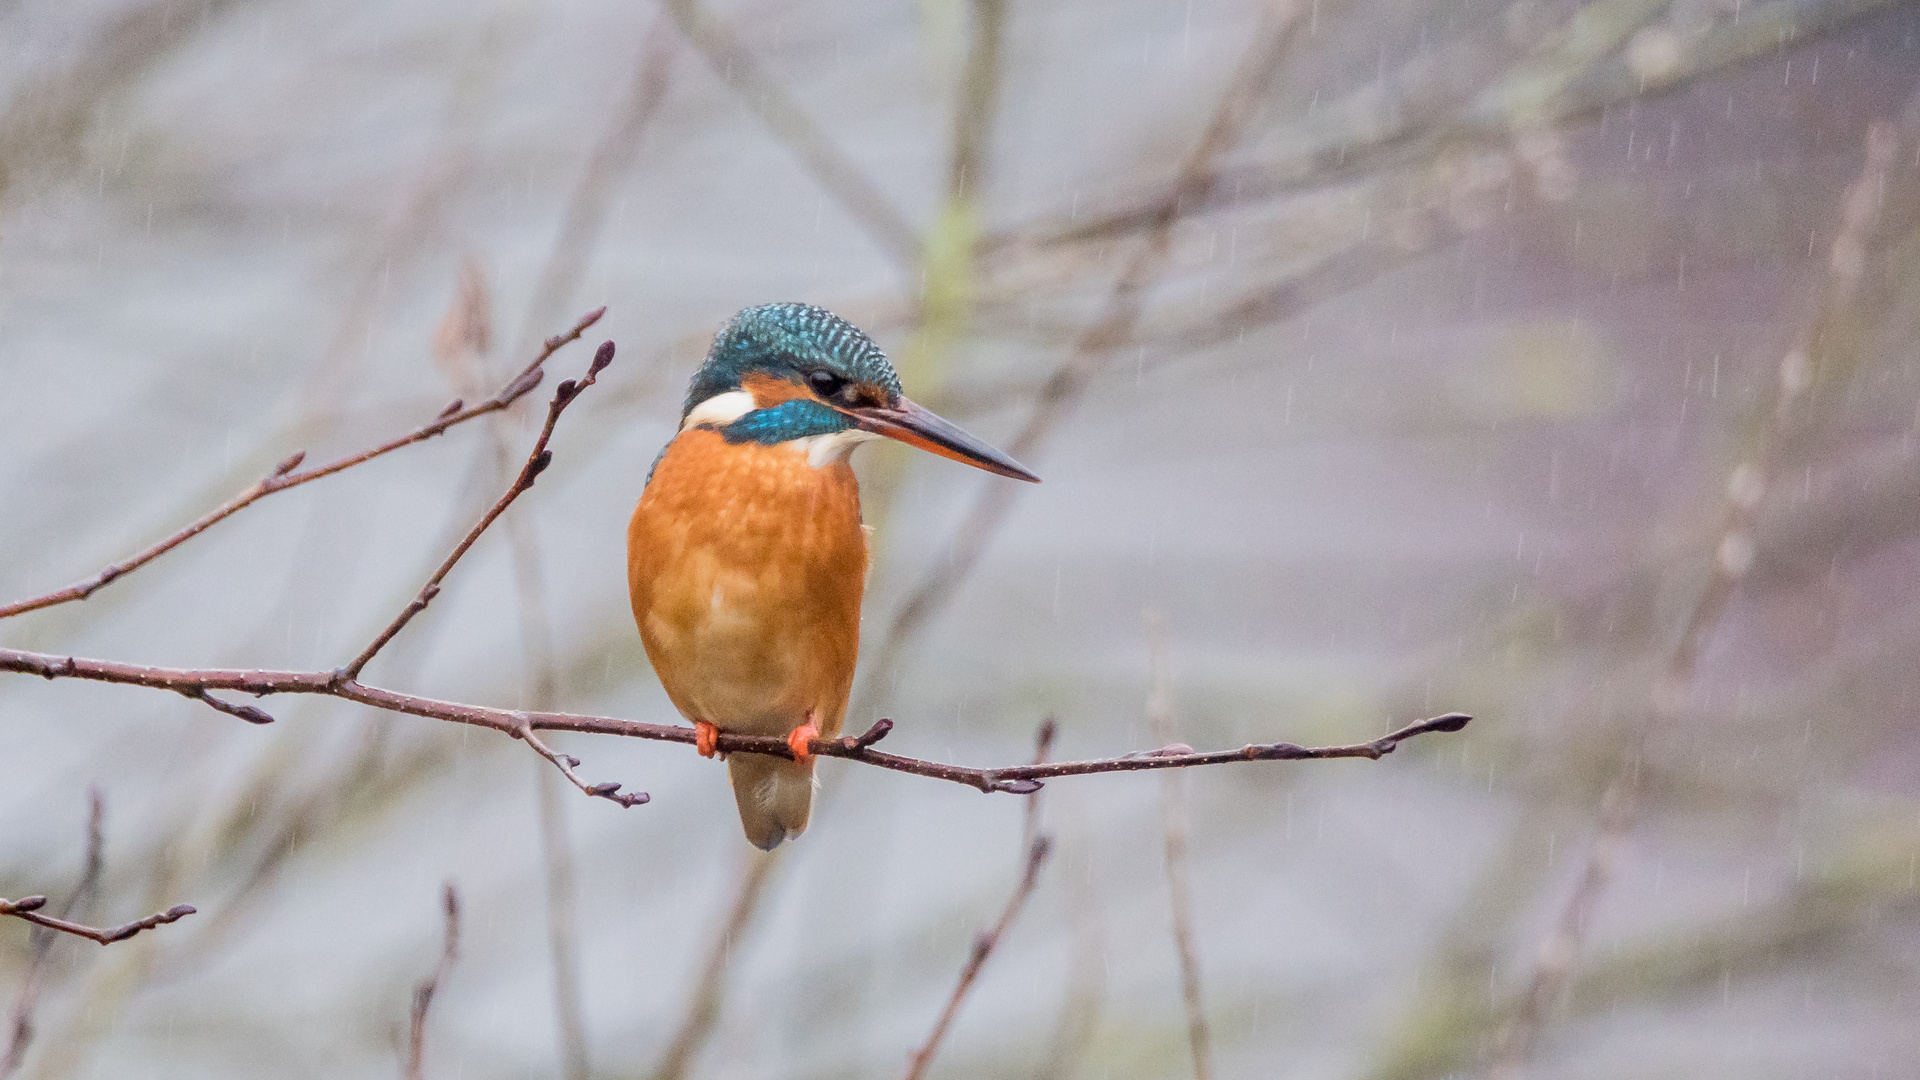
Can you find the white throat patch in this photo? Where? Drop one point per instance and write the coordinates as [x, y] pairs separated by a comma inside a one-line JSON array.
[[720, 410], [824, 450]]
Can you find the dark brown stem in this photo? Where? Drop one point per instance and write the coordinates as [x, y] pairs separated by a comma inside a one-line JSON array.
[[983, 947], [1015, 779], [28, 908], [567, 763], [289, 475], [423, 994], [21, 1022], [537, 462]]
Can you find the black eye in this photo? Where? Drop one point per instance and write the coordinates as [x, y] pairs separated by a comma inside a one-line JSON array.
[[825, 383]]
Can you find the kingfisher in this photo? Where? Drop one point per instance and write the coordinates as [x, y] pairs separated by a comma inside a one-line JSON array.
[[747, 556]]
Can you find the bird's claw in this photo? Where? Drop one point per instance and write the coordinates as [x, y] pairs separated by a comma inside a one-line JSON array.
[[800, 740], [706, 738]]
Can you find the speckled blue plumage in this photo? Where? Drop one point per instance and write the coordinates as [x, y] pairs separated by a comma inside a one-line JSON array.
[[787, 340], [788, 420]]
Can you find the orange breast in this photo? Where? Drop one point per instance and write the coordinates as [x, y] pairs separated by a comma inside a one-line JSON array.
[[746, 567]]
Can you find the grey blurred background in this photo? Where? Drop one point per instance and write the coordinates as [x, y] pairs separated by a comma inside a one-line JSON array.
[[1515, 358]]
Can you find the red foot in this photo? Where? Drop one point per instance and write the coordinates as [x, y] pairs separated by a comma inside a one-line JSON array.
[[799, 738], [706, 737]]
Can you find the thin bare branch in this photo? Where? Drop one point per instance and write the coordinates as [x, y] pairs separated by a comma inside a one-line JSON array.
[[289, 475], [983, 947], [28, 908], [424, 993], [537, 462], [567, 764], [1014, 779], [20, 1025]]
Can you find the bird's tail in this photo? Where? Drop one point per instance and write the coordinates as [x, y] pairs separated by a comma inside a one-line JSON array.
[[775, 796]]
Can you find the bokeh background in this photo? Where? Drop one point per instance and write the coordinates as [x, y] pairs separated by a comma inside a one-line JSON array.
[[1553, 362]]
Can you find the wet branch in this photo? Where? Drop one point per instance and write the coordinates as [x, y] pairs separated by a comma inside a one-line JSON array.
[[288, 474], [983, 947], [344, 683], [537, 462], [28, 908], [92, 864], [1015, 779]]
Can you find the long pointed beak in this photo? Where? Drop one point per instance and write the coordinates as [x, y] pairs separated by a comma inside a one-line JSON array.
[[915, 426]]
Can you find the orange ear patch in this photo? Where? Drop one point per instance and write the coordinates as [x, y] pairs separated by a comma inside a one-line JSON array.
[[769, 391]]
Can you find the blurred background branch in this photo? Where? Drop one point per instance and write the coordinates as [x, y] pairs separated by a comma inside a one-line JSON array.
[[1431, 397]]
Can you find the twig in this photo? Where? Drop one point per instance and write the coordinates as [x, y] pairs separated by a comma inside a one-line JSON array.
[[1118, 316], [537, 462], [703, 1006], [567, 763], [424, 993], [1173, 824], [250, 713], [835, 171], [28, 908], [983, 947], [1015, 779], [91, 866], [461, 350], [543, 683], [288, 474], [344, 683], [1733, 557]]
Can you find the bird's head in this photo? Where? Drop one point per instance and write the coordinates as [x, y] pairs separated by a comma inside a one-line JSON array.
[[783, 373]]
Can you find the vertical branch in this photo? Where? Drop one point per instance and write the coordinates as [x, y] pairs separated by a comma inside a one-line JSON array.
[[424, 993], [983, 947], [556, 842], [461, 349], [1173, 824], [20, 1020], [703, 1006]]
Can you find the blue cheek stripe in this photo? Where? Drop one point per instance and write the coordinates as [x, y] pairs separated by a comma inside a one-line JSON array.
[[796, 419]]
